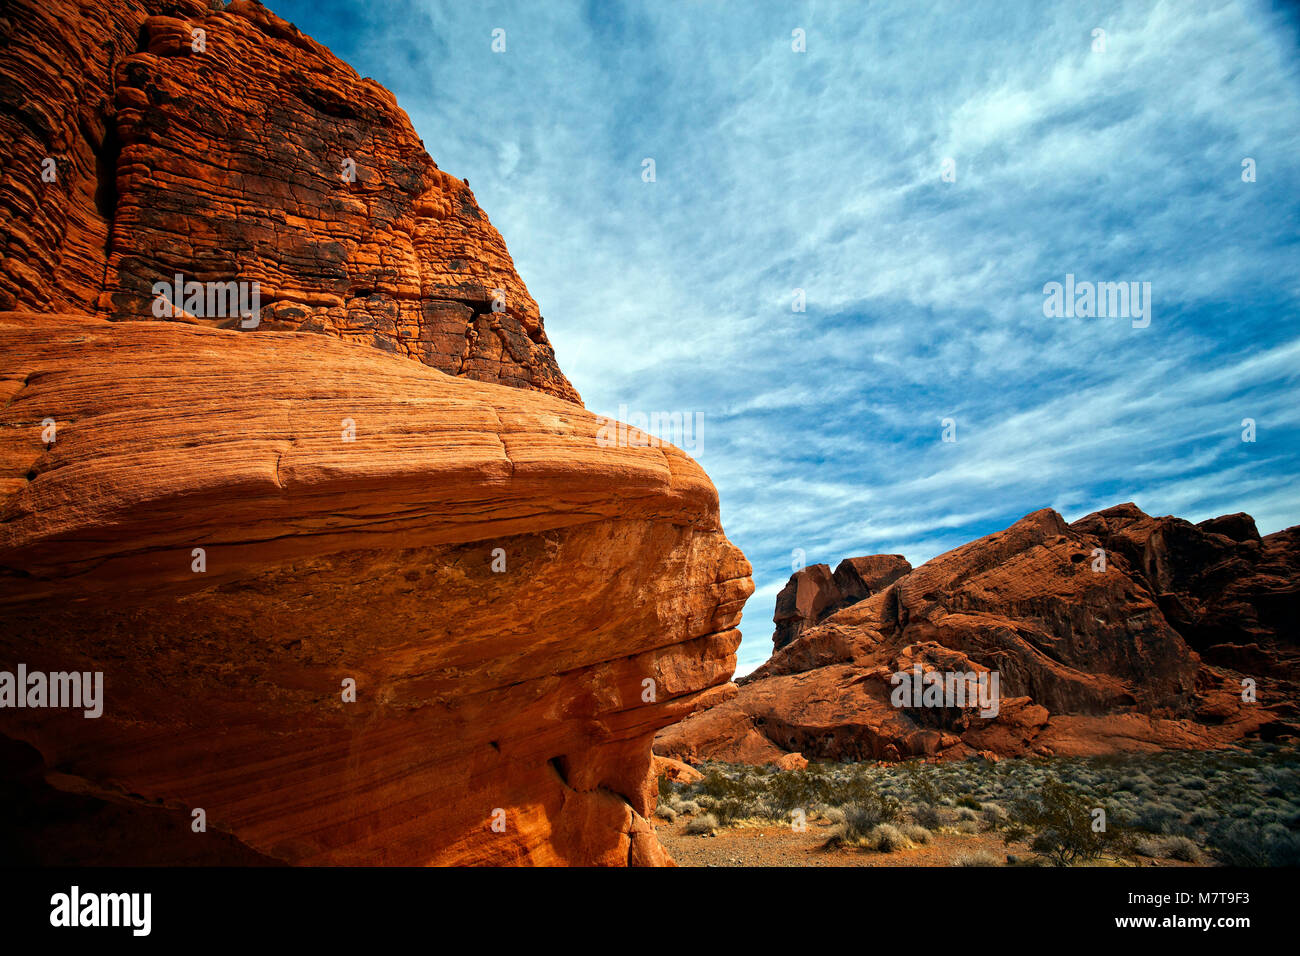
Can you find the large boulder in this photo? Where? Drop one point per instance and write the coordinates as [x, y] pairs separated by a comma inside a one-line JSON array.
[[859, 578], [814, 593], [806, 598], [515, 608]]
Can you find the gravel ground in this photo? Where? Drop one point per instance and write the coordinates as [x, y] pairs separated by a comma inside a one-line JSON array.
[[781, 846]]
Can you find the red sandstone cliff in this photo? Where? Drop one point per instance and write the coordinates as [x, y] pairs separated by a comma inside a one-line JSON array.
[[520, 608], [263, 158], [1146, 650]]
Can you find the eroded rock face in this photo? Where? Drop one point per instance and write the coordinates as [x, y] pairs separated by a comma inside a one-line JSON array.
[[226, 146], [859, 578], [814, 593], [520, 608], [239, 523], [802, 602], [1093, 630], [1229, 592]]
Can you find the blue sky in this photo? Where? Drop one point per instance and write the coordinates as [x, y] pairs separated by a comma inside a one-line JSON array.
[[821, 171]]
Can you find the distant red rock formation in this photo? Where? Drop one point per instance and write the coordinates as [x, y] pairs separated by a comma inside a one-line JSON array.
[[813, 593], [1118, 632]]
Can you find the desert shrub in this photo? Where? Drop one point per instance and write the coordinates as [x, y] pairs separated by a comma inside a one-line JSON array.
[[705, 823], [968, 826], [1266, 815], [728, 810], [1058, 823], [1238, 843], [995, 815], [1181, 848], [968, 803], [718, 784], [666, 787], [665, 812], [869, 810], [927, 815], [1167, 847], [1236, 790], [735, 793], [1146, 845], [916, 833], [862, 816], [924, 783], [840, 837], [1133, 782], [687, 807], [833, 814], [1158, 818], [1283, 845], [796, 788], [1276, 782], [1244, 843], [1201, 817], [976, 858], [966, 814], [887, 838]]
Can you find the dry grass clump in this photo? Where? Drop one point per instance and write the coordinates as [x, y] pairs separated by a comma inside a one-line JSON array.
[[705, 824], [976, 858]]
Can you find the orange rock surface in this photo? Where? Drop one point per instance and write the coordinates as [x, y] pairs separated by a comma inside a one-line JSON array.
[[520, 608], [147, 139], [1091, 658], [814, 593], [242, 523], [676, 770]]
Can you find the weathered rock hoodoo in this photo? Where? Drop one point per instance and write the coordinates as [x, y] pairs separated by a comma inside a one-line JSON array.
[[1117, 632], [234, 526], [814, 593]]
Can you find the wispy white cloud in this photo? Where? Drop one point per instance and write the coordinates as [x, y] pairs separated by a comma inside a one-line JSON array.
[[820, 171]]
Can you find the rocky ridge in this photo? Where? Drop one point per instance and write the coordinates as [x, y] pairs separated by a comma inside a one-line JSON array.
[[1117, 632]]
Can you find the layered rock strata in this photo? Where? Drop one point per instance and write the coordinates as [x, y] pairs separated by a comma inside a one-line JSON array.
[[152, 139], [237, 529], [1117, 632]]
